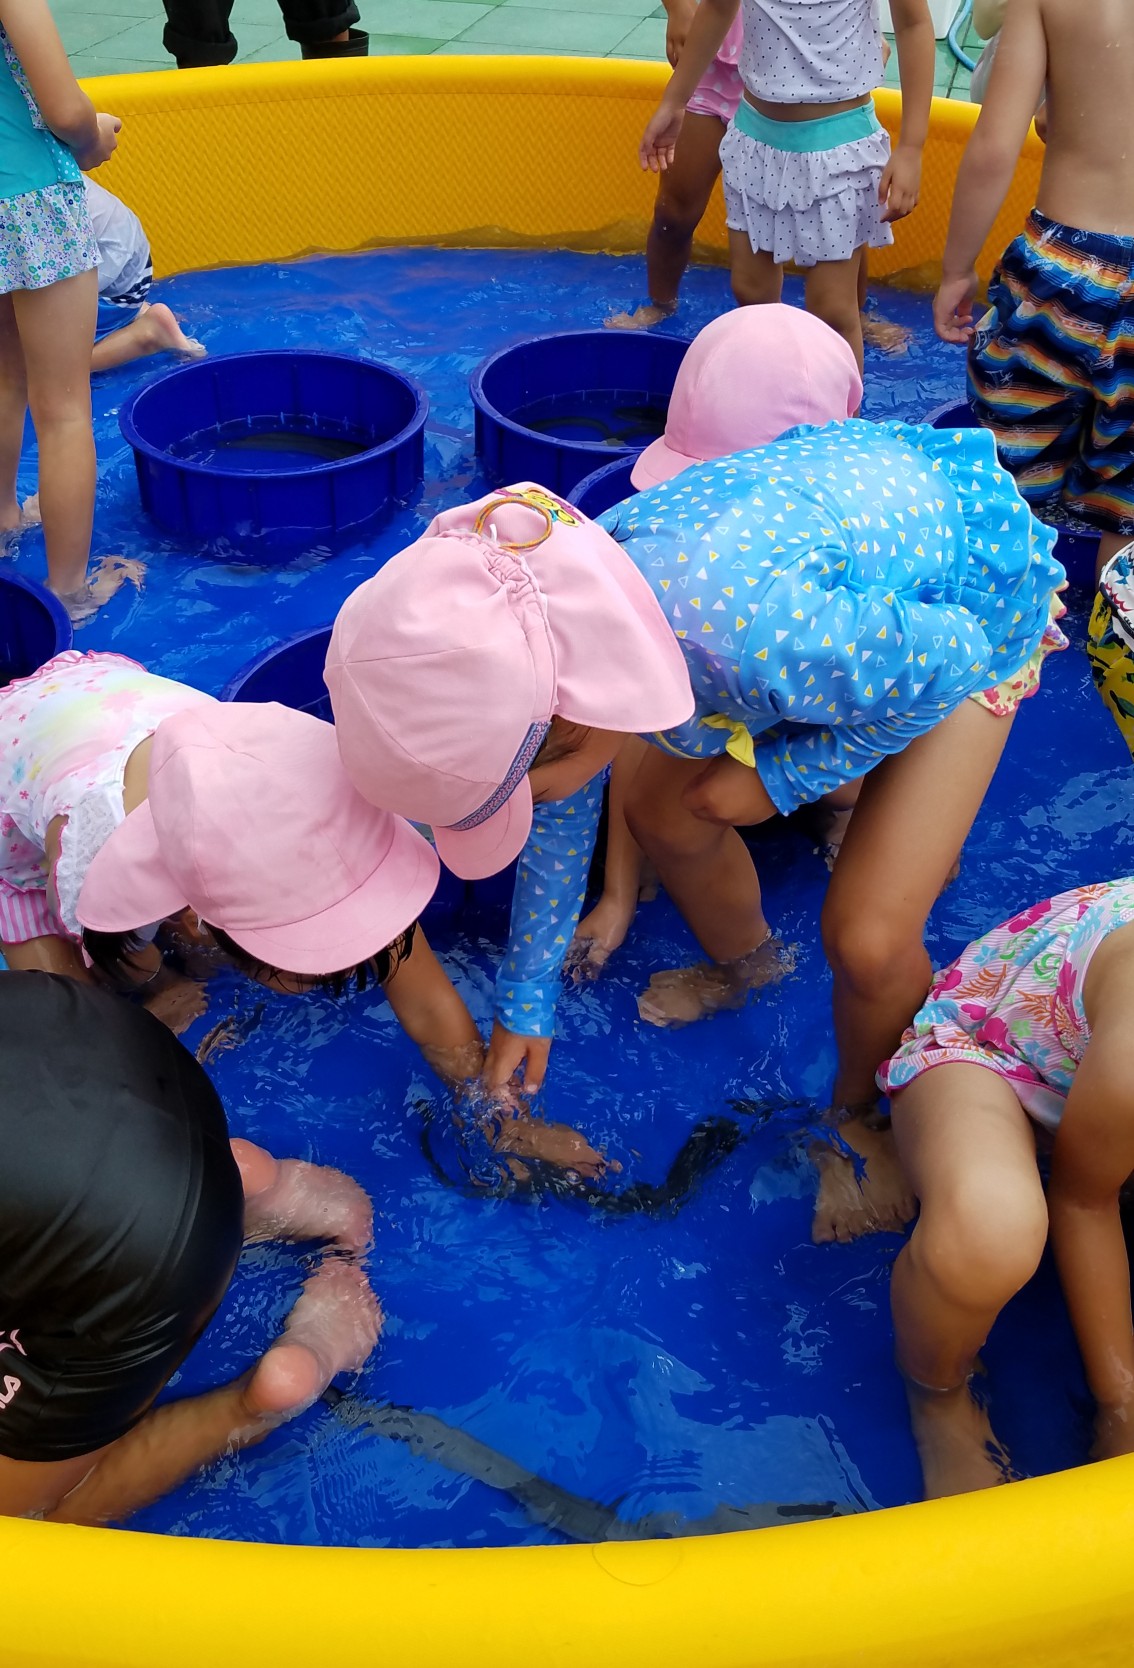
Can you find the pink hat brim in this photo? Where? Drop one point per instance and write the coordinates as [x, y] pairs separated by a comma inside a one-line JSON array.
[[476, 853], [128, 886], [659, 463]]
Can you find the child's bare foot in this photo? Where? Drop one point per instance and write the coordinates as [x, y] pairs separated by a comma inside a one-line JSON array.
[[682, 995], [176, 1001], [159, 332], [881, 1203], [332, 1329], [958, 1450], [554, 1144], [290, 1199], [597, 937], [642, 318], [884, 334], [105, 580]]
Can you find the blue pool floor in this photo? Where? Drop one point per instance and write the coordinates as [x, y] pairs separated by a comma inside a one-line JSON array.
[[706, 1355]]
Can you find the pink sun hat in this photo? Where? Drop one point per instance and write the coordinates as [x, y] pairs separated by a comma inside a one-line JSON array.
[[747, 378], [252, 822], [446, 668]]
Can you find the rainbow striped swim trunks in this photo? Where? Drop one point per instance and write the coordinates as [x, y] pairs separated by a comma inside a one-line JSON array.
[[1051, 370]]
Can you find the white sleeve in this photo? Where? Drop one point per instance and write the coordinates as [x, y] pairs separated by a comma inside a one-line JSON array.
[[90, 823]]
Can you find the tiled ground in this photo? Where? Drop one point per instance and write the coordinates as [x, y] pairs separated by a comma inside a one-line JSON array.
[[105, 37]]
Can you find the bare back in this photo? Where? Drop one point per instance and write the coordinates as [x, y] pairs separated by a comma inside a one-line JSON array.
[[1088, 172]]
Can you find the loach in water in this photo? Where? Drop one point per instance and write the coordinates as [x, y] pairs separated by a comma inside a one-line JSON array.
[[546, 1503]]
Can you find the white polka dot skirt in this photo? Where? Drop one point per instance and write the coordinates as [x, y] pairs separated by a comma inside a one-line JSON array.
[[806, 206]]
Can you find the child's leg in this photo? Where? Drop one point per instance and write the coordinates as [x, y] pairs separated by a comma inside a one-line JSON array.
[[46, 955], [290, 1199], [831, 292], [708, 872], [683, 196], [603, 929], [965, 1142], [876, 331], [154, 330], [13, 406], [756, 279], [911, 821], [56, 328]]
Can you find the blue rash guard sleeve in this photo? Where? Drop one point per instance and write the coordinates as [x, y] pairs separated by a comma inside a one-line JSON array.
[[551, 884]]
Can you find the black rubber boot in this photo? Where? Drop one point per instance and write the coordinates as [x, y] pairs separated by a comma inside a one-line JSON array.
[[356, 45]]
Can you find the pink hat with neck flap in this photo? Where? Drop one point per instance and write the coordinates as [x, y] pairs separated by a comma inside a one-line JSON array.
[[446, 668], [749, 376]]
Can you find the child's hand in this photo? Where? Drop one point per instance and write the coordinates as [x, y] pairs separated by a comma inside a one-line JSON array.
[[597, 937], [900, 183], [953, 307], [103, 146], [681, 15], [507, 1052], [660, 138]]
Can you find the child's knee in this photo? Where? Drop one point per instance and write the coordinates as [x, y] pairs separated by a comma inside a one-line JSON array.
[[978, 1245], [866, 954], [750, 289], [676, 217]]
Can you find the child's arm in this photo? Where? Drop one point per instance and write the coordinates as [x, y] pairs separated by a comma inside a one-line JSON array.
[[706, 36], [680, 15], [1014, 90], [917, 58], [63, 105], [550, 888], [1094, 1156], [431, 1012]]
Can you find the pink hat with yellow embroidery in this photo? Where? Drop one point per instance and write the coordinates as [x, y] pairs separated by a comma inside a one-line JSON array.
[[446, 668]]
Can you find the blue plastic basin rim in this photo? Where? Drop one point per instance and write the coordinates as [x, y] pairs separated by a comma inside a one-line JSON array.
[[340, 466]]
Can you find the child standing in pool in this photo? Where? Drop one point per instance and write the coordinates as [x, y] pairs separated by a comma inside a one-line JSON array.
[[1029, 1027], [808, 173], [49, 131], [1050, 366], [685, 187]]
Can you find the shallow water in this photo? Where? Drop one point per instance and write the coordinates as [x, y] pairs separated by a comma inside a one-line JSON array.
[[673, 1362]]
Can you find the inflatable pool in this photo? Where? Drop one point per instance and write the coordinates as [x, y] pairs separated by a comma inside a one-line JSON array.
[[1036, 1574]]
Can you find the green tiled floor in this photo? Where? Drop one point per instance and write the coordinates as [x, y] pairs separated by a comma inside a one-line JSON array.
[[105, 37]]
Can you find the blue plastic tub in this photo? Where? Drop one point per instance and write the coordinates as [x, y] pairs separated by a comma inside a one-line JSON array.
[[33, 627], [292, 674], [553, 408], [604, 488], [264, 454], [1077, 551]]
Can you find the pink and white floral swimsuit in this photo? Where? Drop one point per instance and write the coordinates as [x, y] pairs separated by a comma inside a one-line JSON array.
[[1013, 1001], [66, 734], [720, 89]]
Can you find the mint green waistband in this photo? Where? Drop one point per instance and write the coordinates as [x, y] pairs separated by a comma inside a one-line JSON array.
[[822, 134]]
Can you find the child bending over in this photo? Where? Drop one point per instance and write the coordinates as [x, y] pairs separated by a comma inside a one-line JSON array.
[[1050, 366], [808, 174], [1029, 1027], [123, 1207]]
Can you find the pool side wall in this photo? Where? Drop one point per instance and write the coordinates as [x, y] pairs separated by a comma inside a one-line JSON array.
[[267, 162]]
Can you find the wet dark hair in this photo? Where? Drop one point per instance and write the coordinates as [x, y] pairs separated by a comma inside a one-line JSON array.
[[560, 742], [113, 953]]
